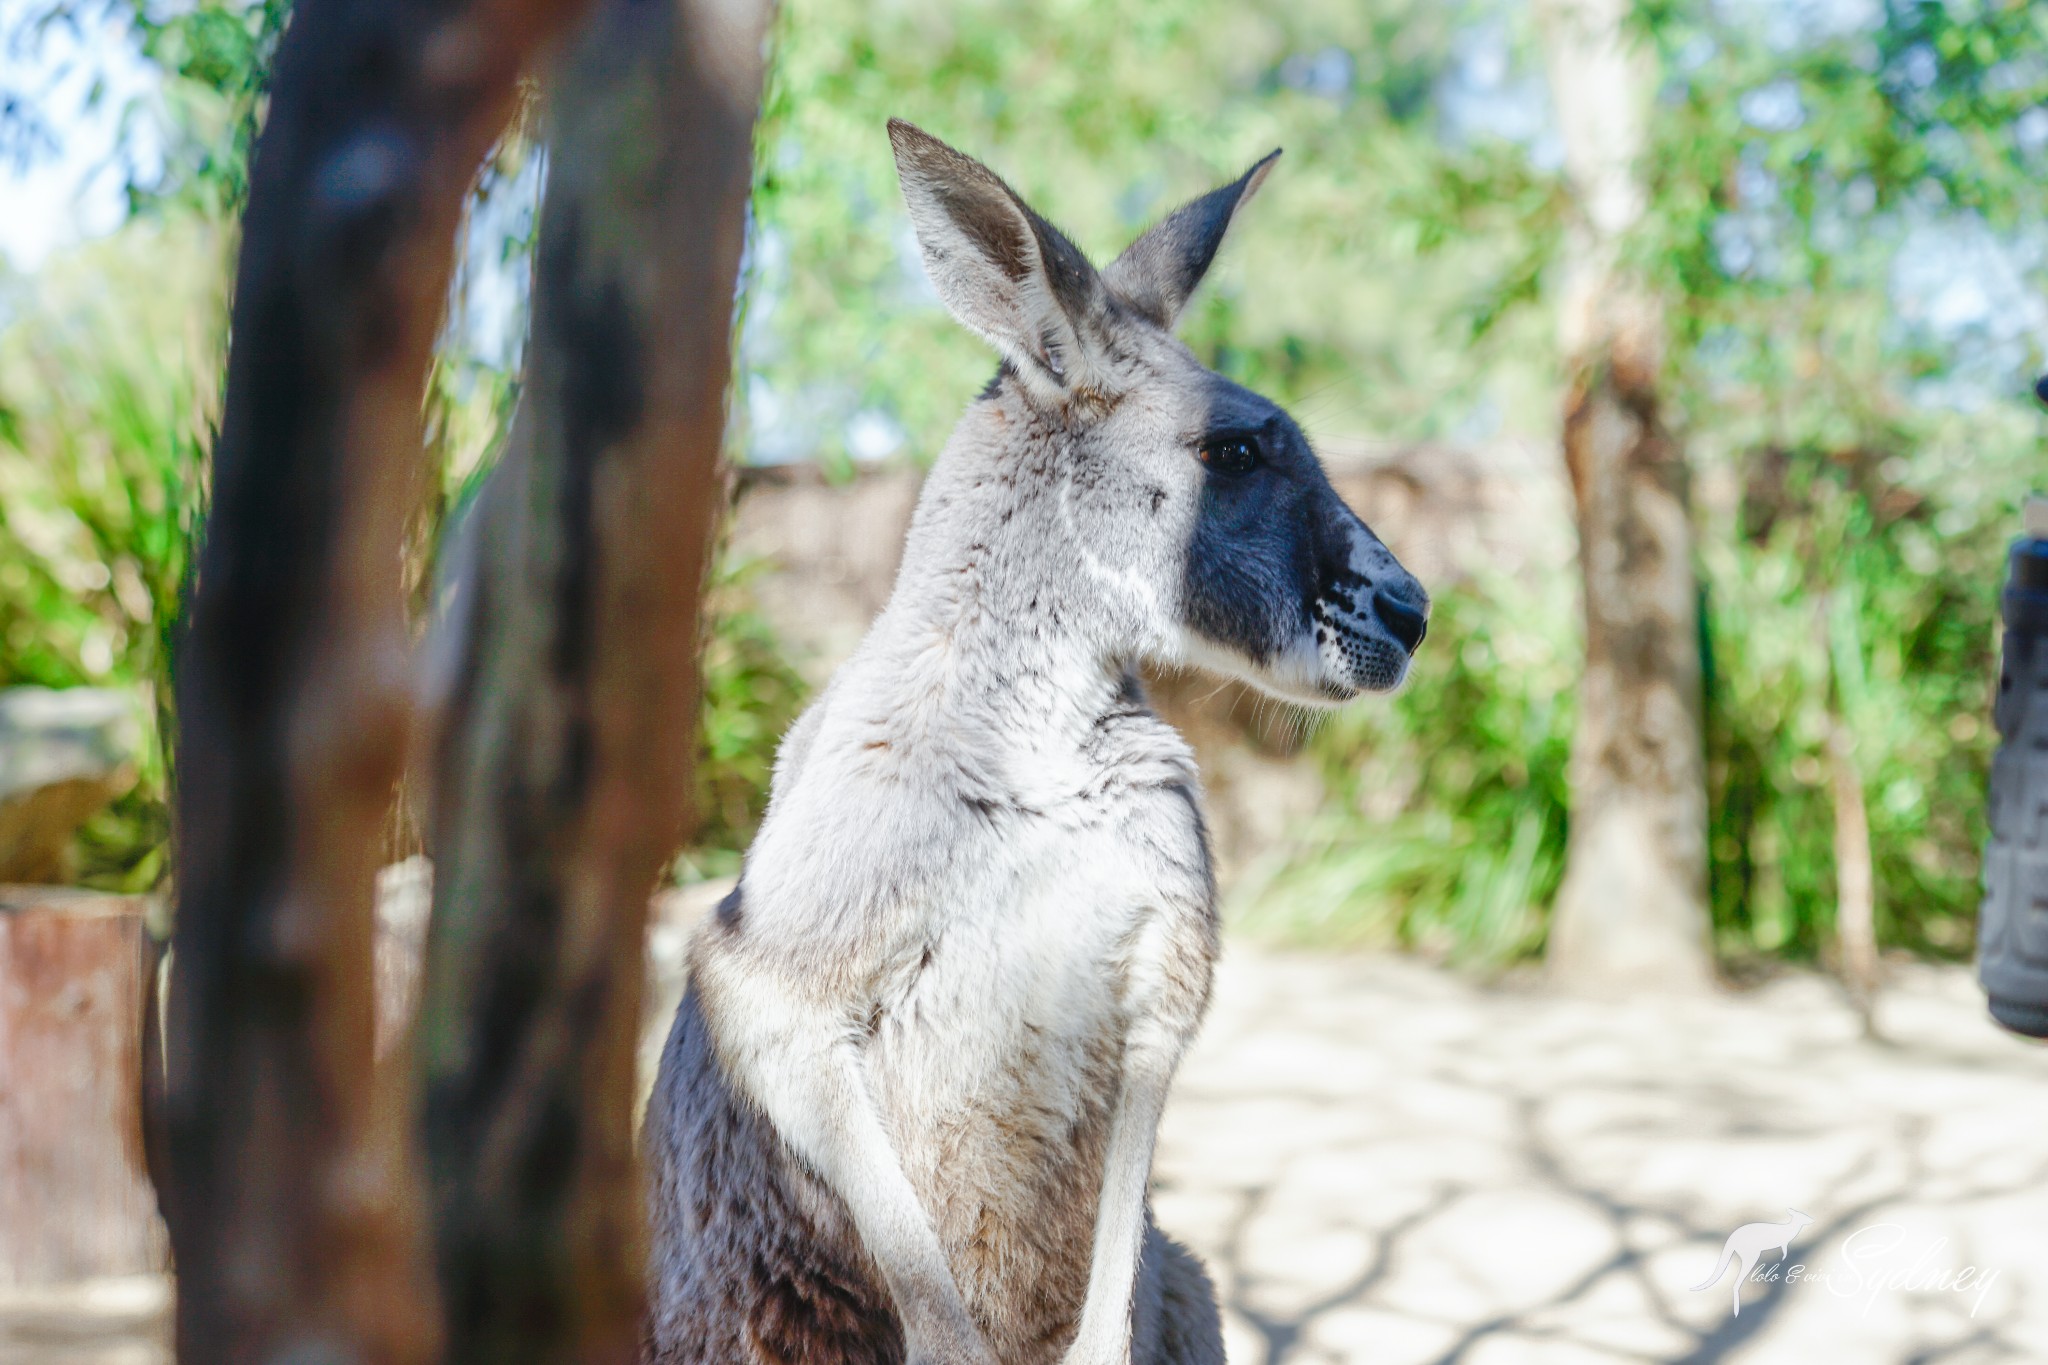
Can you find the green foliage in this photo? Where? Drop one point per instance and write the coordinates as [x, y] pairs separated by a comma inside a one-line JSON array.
[[1855, 470], [108, 386], [106, 403], [751, 695], [215, 56], [1859, 475], [1776, 233], [1840, 598], [1445, 829], [1106, 117]]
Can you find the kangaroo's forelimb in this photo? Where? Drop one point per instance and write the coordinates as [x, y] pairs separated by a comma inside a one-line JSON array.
[[1167, 976], [799, 1053]]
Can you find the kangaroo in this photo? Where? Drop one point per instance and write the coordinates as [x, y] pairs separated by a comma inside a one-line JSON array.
[[1748, 1242], [907, 1108]]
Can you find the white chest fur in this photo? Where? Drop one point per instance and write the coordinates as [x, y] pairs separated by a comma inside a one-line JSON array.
[[1006, 1016]]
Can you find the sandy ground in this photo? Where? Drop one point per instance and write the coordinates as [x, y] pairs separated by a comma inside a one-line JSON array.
[[1385, 1163]]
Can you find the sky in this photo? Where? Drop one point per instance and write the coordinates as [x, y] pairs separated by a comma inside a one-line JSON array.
[[90, 83], [83, 81]]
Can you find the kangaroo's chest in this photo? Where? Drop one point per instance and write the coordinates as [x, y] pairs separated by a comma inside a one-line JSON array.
[[1009, 1010], [996, 1057]]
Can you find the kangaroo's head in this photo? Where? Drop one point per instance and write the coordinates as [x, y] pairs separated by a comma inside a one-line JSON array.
[[1193, 506]]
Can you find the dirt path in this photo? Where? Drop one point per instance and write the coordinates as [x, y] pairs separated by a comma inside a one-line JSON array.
[[1386, 1164]]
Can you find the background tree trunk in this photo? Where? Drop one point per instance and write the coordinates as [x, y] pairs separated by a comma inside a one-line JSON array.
[[1855, 875], [1855, 883], [571, 702], [290, 1198], [1632, 912]]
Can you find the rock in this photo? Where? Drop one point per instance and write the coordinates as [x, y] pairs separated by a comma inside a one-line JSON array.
[[75, 1202], [829, 551], [63, 756]]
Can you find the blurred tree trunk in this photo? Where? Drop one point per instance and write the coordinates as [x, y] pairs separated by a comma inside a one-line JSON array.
[[569, 701], [290, 1196], [1855, 883], [1632, 912], [1855, 876]]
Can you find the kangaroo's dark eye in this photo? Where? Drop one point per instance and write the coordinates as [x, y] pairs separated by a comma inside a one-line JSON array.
[[1231, 455]]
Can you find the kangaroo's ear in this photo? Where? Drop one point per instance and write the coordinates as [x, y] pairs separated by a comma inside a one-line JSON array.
[[1003, 271], [1158, 272]]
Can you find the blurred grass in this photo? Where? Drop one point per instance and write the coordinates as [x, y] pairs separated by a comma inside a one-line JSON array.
[[108, 376], [1444, 831], [1840, 597], [1830, 596], [751, 695]]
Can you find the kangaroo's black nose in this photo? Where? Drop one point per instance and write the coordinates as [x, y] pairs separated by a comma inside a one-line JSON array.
[[1405, 623]]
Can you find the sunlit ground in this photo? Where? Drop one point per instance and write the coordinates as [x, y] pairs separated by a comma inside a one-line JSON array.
[[1383, 1162]]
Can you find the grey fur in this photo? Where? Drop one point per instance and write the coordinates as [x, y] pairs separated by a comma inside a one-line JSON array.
[[1158, 272], [907, 1109]]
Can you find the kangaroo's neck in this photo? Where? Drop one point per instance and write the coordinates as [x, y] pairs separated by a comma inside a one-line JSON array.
[[989, 626]]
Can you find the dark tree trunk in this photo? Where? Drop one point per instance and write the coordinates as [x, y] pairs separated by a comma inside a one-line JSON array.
[[569, 717], [290, 1198], [1632, 911]]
